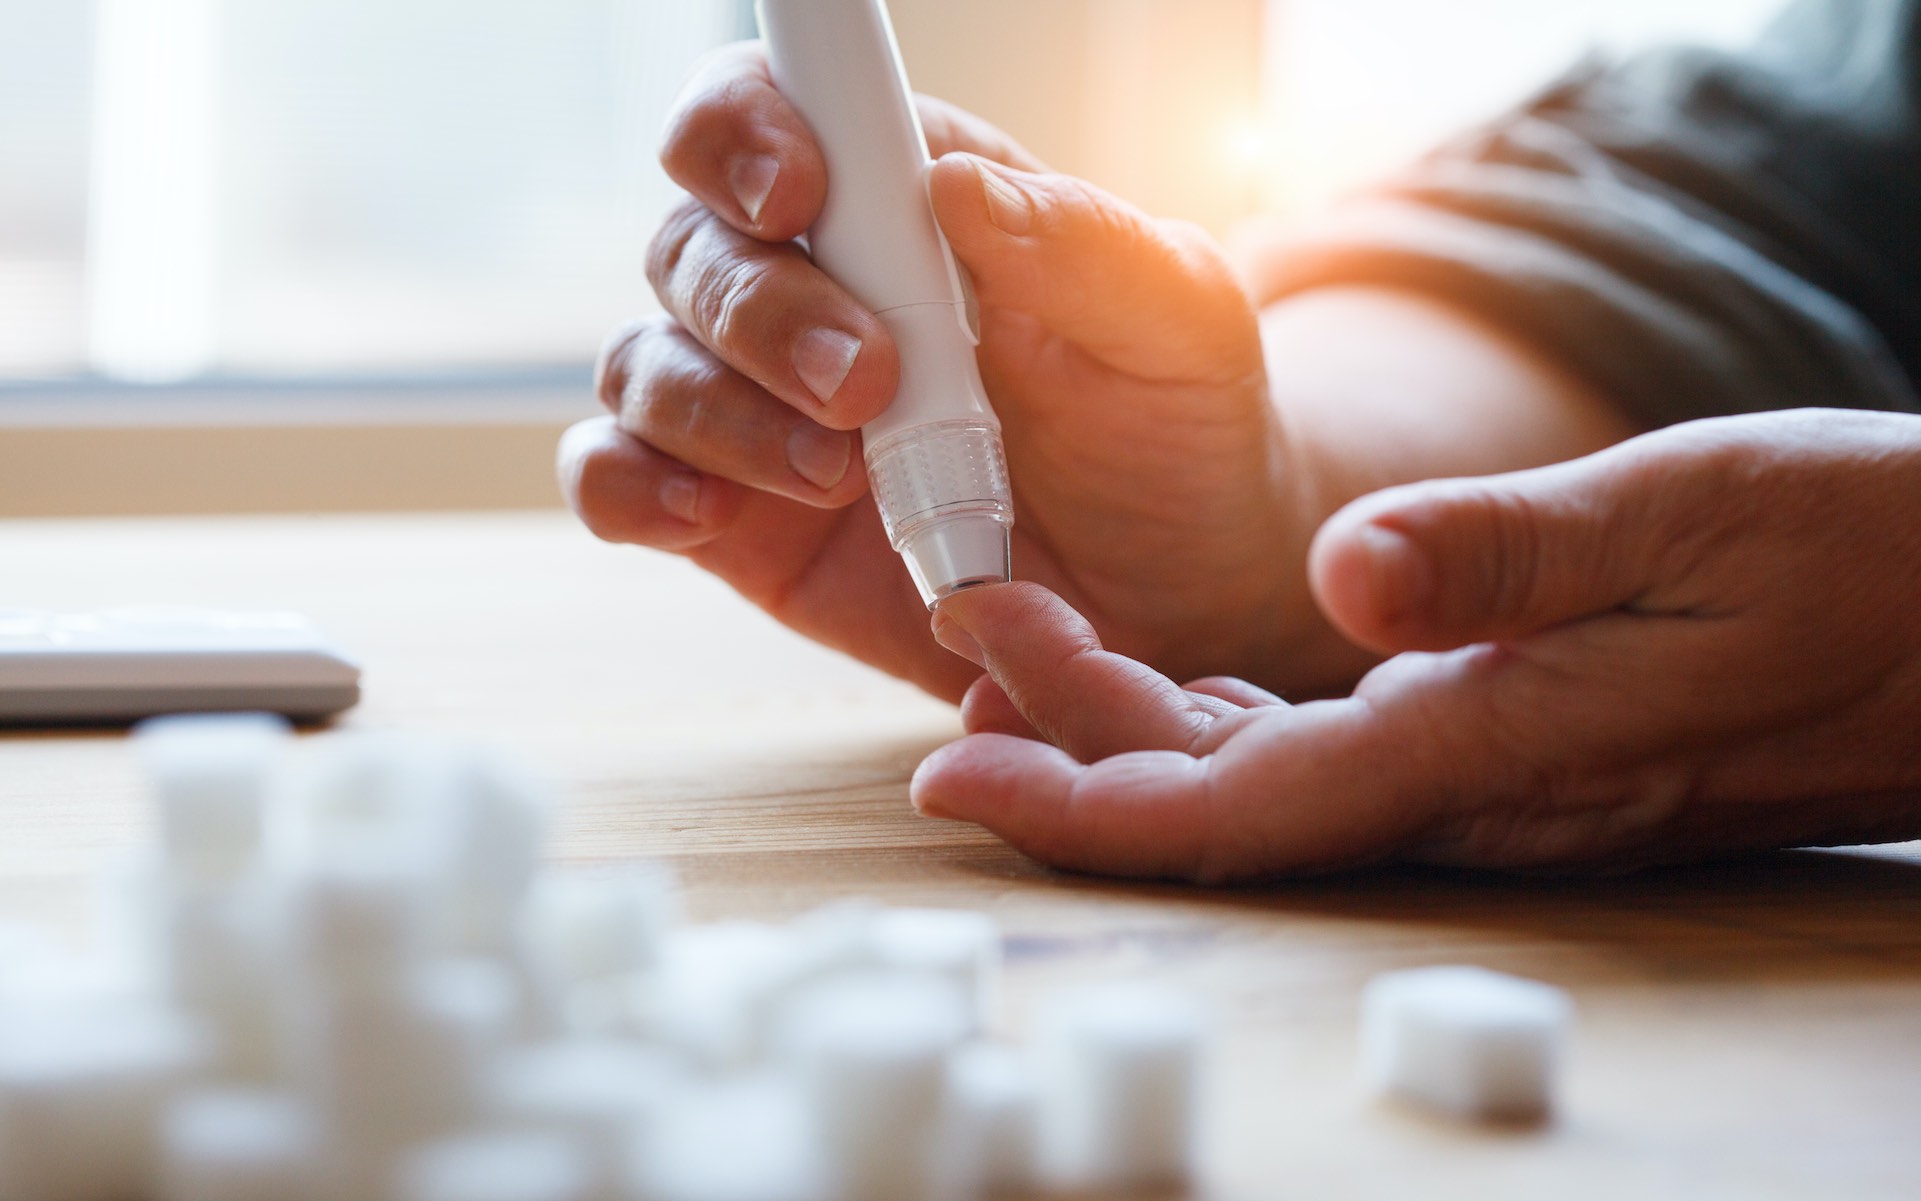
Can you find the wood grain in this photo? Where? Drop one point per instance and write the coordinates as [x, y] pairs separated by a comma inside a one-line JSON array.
[[1747, 1030]]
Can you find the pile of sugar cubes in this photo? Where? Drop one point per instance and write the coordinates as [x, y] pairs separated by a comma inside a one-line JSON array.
[[342, 974]]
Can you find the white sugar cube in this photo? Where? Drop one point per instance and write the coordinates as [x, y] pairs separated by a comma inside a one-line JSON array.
[[959, 946], [46, 981], [602, 1091], [358, 923], [1119, 1082], [371, 795], [597, 1009], [211, 773], [741, 1138], [872, 1049], [80, 1093], [498, 818], [386, 1070], [479, 997], [1468, 1042], [542, 999], [985, 1140], [603, 925], [499, 1166], [219, 964], [237, 1145], [833, 939], [718, 984], [840, 934]]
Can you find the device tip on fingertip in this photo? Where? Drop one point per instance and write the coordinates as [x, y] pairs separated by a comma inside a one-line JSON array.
[[961, 552]]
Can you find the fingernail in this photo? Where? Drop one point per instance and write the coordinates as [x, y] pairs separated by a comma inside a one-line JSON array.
[[923, 804], [929, 809], [822, 359], [1400, 577], [1007, 206], [819, 455], [680, 495], [752, 179], [951, 635]]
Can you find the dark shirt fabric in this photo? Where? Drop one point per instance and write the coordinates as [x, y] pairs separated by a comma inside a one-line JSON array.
[[1695, 233]]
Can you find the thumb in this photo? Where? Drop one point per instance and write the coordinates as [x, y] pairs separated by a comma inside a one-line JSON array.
[[1448, 563], [1151, 298]]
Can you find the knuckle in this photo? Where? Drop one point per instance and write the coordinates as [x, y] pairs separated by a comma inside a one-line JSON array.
[[1732, 462], [1700, 493], [1106, 219], [670, 243], [582, 464], [611, 480], [1187, 238], [596, 469], [574, 441], [1510, 575], [1198, 256], [735, 98], [604, 494], [692, 137], [674, 405], [733, 300], [704, 113], [615, 363]]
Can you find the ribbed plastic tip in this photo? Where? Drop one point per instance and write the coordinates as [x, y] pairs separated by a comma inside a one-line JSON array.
[[961, 551]]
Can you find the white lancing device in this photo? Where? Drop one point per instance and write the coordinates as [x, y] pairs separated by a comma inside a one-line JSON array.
[[934, 458]]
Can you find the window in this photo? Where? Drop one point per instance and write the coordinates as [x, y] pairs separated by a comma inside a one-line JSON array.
[[1356, 87], [292, 187], [275, 189], [45, 55]]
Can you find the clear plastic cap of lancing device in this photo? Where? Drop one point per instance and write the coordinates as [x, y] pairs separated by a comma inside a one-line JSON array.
[[943, 495]]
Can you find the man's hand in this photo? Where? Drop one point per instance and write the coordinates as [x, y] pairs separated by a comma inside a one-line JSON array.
[[1124, 361], [1705, 640]]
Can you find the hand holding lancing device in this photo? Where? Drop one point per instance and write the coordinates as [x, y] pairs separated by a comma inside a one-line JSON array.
[[1122, 355]]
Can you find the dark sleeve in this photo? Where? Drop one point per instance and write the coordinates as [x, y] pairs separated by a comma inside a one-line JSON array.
[[1695, 233]]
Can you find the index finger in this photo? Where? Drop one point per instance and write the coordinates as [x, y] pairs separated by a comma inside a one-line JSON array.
[[1081, 697], [742, 150], [951, 128]]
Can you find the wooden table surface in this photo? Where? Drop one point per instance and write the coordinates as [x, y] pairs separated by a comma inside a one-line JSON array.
[[1746, 1031]]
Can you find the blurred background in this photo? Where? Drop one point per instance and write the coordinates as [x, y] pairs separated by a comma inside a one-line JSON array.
[[309, 254]]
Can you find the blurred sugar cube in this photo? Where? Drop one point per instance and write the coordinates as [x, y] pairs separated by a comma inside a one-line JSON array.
[[80, 1097], [1119, 1082], [500, 1166], [871, 1049], [211, 774], [1464, 1041], [229, 1144], [985, 1141]]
